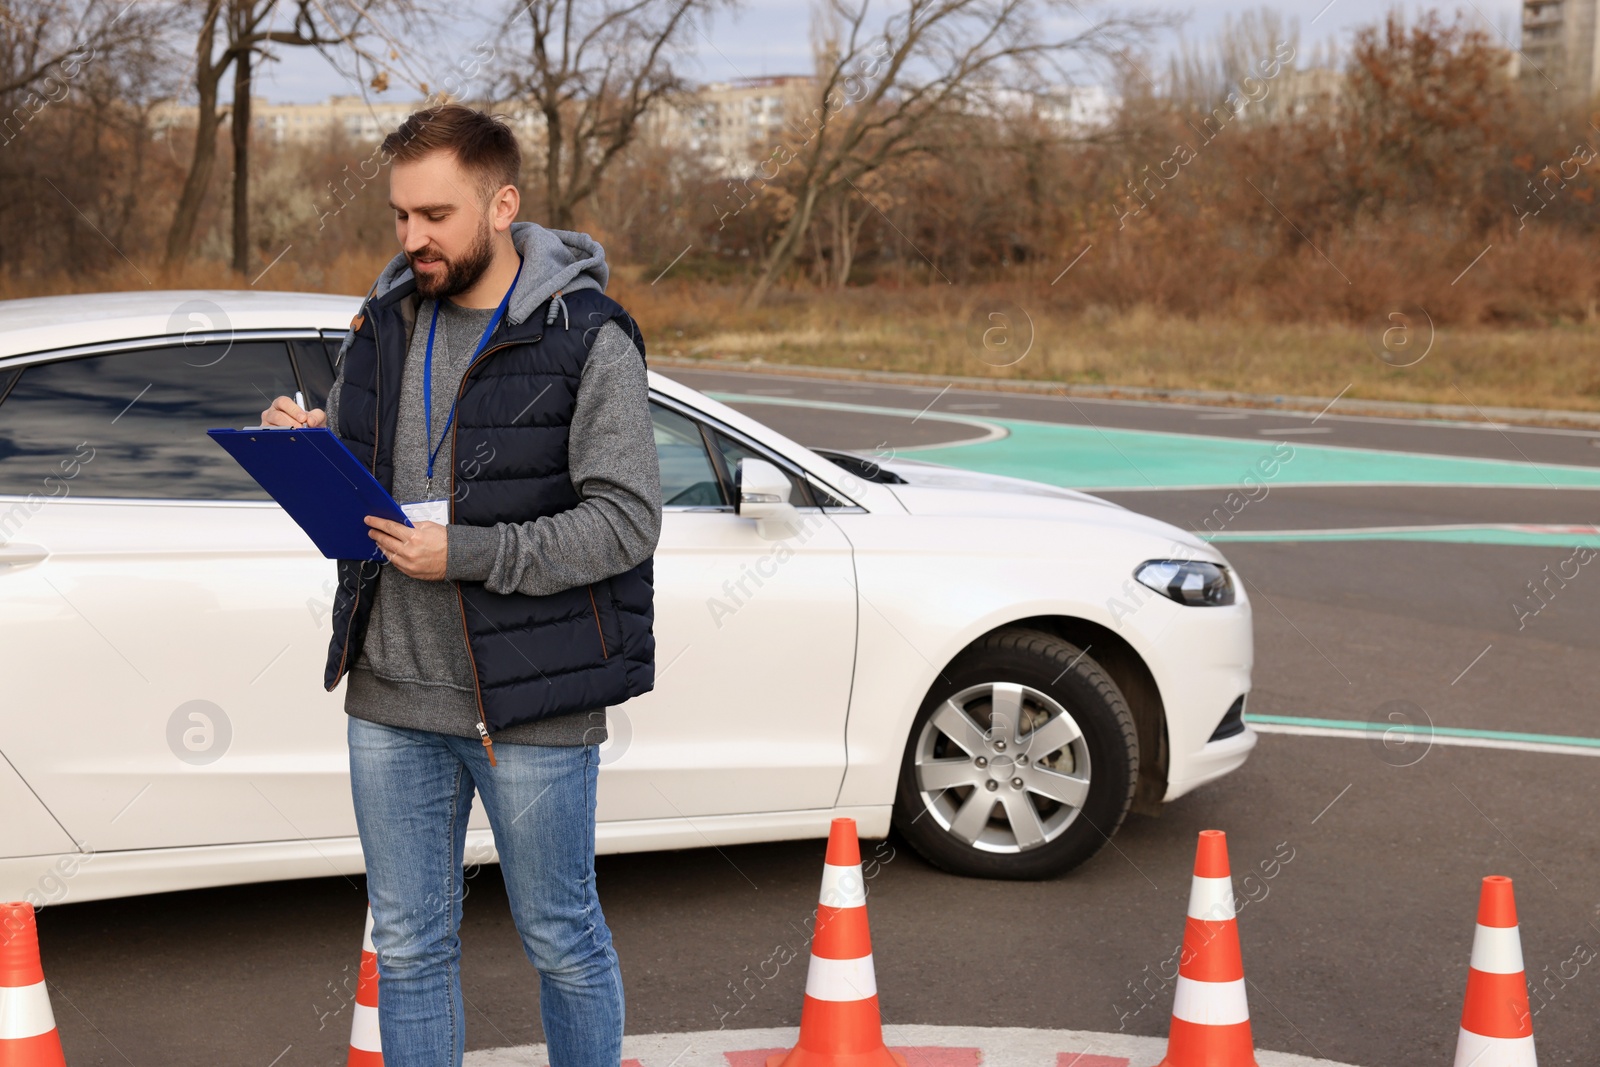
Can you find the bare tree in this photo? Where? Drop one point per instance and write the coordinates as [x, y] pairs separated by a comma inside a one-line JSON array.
[[1202, 77], [79, 84], [592, 70], [842, 215], [41, 38], [247, 28], [878, 92]]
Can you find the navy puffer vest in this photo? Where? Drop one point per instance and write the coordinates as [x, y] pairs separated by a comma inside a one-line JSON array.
[[533, 656]]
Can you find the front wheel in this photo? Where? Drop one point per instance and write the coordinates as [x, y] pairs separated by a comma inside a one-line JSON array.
[[1022, 761]]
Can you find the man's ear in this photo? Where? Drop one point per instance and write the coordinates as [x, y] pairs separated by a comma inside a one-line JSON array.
[[504, 206]]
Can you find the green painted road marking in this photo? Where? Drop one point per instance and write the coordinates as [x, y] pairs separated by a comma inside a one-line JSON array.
[[1548, 536], [1086, 457], [1496, 738]]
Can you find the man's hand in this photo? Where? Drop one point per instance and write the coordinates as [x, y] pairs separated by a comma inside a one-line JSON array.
[[285, 412], [419, 552]]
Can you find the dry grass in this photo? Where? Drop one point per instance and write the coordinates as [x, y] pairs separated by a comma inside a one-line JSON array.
[[312, 269], [939, 330]]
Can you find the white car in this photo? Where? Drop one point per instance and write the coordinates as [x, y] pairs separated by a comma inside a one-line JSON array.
[[999, 669]]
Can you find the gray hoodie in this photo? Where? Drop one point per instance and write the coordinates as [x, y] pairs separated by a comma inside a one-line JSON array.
[[413, 670]]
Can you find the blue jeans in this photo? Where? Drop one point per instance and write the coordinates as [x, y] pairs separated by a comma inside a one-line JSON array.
[[413, 793]]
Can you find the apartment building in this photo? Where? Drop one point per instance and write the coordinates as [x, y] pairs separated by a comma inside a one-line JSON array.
[[279, 123], [365, 121], [731, 126], [1561, 47]]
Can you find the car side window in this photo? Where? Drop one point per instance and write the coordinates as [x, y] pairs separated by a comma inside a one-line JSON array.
[[687, 477], [333, 342], [133, 424], [733, 451], [315, 364]]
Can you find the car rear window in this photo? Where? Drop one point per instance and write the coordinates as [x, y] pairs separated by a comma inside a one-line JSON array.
[[133, 424]]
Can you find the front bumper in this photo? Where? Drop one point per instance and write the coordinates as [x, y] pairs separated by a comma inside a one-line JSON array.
[[1212, 761]]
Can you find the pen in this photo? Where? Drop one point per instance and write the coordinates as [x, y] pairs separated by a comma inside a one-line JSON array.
[[300, 402]]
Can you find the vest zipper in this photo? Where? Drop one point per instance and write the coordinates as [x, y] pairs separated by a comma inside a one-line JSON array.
[[355, 605], [344, 650], [477, 688], [603, 653]]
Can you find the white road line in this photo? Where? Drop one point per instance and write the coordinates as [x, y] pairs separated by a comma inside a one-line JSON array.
[[1541, 528], [1435, 739], [1338, 485]]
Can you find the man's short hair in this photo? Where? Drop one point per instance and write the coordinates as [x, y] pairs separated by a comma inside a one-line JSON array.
[[483, 144]]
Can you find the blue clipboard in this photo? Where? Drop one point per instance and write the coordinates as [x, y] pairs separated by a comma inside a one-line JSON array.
[[319, 482]]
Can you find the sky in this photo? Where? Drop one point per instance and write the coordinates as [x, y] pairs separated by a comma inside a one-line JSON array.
[[771, 37]]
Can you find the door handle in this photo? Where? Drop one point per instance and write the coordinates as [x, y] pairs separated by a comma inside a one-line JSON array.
[[16, 554]]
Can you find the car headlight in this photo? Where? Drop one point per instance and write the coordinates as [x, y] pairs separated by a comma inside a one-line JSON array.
[[1194, 582]]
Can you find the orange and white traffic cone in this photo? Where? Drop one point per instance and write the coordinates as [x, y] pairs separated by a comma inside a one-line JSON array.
[[839, 1023], [28, 1036], [1496, 1026], [1210, 1016], [366, 1048]]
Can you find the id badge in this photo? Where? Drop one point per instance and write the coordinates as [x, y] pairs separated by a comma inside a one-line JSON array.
[[428, 511]]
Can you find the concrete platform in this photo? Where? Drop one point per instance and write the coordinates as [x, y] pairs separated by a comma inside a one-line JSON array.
[[922, 1046]]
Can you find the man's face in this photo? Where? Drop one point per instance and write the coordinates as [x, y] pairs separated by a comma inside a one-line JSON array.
[[441, 222]]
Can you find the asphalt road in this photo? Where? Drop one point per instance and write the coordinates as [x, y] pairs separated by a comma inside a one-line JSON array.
[[1356, 950], [1486, 439]]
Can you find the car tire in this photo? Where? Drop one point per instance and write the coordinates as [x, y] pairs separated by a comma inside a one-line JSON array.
[[983, 731]]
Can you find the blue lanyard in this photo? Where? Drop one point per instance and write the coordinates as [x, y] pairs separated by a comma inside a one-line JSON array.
[[427, 372]]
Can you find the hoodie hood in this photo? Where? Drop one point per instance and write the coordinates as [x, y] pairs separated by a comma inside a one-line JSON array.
[[553, 261]]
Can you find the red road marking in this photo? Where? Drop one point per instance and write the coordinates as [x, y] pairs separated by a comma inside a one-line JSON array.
[[756, 1057], [1083, 1059], [915, 1057], [940, 1057]]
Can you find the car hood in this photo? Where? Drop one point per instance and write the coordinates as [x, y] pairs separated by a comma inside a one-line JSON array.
[[934, 489], [921, 474], [932, 500]]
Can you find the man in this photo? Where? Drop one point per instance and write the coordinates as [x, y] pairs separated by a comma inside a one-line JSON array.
[[501, 397]]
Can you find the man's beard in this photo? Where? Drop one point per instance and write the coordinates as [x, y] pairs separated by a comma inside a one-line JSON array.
[[458, 275]]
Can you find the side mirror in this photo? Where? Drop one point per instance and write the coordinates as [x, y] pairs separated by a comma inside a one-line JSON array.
[[761, 492]]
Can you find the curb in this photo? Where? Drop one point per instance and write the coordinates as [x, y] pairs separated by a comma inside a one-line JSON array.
[[1200, 397], [923, 1046]]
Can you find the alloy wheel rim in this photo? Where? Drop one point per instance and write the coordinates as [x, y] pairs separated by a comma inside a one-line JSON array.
[[1002, 767]]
